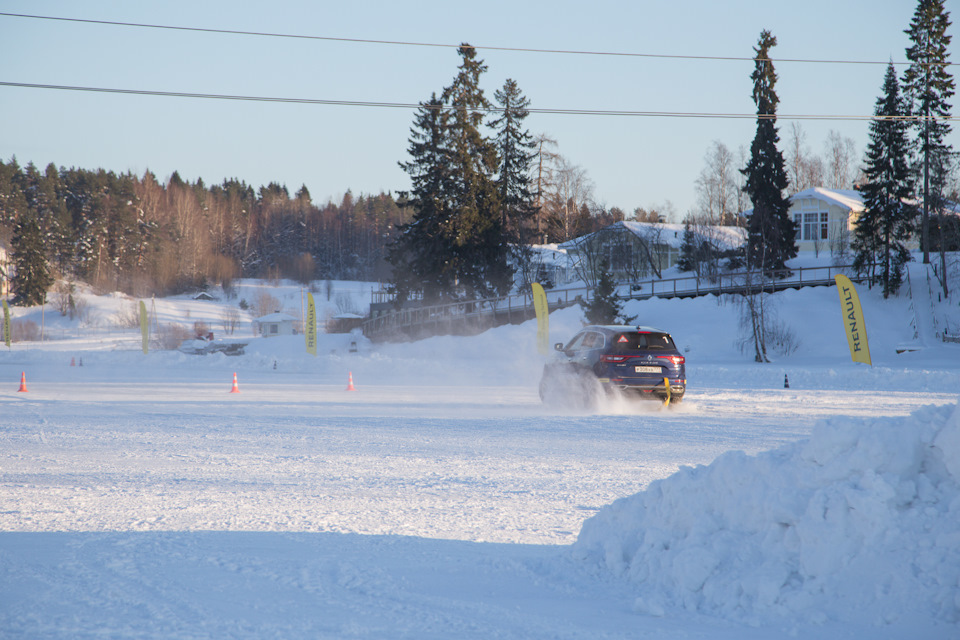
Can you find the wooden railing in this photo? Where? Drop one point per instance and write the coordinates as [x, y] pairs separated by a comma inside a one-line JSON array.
[[741, 282], [468, 316]]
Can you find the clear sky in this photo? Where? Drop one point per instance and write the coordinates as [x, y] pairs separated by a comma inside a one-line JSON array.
[[632, 161]]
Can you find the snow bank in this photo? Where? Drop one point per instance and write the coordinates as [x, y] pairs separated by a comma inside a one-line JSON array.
[[860, 523]]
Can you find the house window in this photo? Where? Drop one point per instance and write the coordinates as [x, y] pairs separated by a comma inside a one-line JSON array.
[[620, 256], [813, 226]]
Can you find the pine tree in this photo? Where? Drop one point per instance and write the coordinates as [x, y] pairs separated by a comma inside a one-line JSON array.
[[771, 239], [928, 86], [32, 278], [888, 219]]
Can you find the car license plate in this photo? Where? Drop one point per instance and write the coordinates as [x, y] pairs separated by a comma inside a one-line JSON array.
[[647, 369]]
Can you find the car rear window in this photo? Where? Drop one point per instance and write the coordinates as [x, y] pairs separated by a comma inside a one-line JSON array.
[[633, 340]]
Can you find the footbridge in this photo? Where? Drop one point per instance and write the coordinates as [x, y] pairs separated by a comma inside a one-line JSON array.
[[471, 317]]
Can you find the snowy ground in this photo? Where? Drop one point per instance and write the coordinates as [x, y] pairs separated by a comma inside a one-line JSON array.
[[440, 499]]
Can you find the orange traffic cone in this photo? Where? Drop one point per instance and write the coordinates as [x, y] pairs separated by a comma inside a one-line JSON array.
[[23, 382], [235, 388], [350, 386]]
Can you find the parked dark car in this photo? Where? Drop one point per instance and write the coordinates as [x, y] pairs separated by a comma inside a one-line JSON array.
[[638, 361]]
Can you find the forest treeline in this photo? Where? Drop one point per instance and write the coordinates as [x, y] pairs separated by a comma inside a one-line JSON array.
[[138, 235]]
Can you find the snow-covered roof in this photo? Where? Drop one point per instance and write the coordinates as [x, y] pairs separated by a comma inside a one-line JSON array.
[[550, 253], [276, 317], [671, 234], [848, 198]]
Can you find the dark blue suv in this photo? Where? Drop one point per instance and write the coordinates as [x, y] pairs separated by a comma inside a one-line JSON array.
[[641, 361]]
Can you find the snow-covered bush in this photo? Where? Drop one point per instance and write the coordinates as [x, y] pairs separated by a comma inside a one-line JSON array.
[[172, 335]]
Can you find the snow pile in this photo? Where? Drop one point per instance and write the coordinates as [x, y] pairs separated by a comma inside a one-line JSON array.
[[859, 523]]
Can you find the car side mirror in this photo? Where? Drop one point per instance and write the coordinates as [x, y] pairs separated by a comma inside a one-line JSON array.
[[558, 346]]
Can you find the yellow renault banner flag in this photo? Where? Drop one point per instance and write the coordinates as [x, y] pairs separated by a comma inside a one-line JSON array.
[[144, 326], [6, 324], [853, 322], [310, 331], [543, 318]]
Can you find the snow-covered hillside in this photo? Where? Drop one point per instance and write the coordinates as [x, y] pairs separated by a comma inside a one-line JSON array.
[[439, 499]]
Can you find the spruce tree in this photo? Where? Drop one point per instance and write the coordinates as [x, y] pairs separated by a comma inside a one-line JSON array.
[[421, 255], [605, 307], [929, 86], [688, 249], [888, 219], [13, 202], [516, 153], [480, 254], [31, 278], [454, 247], [771, 239], [54, 219]]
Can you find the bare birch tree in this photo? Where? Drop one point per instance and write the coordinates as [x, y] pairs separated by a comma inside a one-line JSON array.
[[716, 186], [806, 170], [546, 161], [796, 156], [570, 194], [743, 199], [841, 154]]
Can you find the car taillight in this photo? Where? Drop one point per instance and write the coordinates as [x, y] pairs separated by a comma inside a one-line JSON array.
[[614, 359], [676, 360]]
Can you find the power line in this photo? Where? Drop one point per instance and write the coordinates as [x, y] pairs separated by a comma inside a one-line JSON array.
[[410, 105], [265, 34]]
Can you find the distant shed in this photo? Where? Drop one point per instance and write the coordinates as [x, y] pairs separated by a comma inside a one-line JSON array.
[[344, 323], [276, 324]]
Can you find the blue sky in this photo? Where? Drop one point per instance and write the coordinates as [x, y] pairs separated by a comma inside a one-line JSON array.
[[632, 161]]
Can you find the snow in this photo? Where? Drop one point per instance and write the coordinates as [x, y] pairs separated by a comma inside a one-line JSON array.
[[848, 524], [139, 498], [918, 281]]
